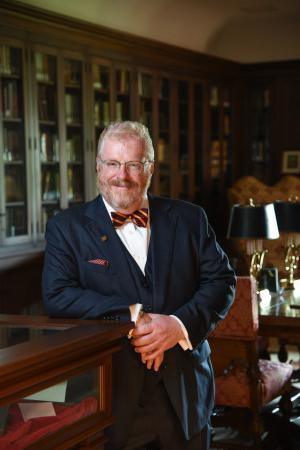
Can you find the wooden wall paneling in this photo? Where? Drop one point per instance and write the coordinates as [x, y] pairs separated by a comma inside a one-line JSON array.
[[174, 138], [113, 44], [191, 137]]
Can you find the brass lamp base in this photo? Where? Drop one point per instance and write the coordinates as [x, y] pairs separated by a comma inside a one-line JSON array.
[[286, 284], [291, 264]]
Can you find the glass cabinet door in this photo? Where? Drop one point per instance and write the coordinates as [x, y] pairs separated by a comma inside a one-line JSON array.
[[100, 88], [163, 146], [183, 138], [220, 155], [198, 141], [13, 160], [227, 150], [59, 113], [145, 104], [260, 118], [101, 82], [122, 94], [45, 74], [215, 153], [74, 130]]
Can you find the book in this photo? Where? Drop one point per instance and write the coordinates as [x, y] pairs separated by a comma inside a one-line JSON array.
[[106, 113], [119, 111], [5, 60], [10, 100]]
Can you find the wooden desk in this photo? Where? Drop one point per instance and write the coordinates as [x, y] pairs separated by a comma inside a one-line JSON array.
[[38, 353]]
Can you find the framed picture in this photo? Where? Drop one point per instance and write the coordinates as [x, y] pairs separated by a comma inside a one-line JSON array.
[[291, 161]]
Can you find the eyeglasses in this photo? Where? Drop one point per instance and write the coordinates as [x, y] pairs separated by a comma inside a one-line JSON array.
[[131, 167]]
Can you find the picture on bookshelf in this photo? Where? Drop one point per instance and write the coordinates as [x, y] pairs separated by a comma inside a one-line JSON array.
[[291, 161]]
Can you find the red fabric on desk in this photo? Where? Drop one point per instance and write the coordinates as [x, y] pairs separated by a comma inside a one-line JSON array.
[[20, 434]]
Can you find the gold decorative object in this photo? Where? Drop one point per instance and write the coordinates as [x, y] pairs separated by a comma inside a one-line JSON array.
[[288, 218]]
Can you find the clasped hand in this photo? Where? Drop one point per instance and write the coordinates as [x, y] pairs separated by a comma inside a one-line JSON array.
[[153, 335]]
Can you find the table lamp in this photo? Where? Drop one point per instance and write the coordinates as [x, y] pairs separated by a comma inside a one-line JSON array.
[[254, 223], [288, 219]]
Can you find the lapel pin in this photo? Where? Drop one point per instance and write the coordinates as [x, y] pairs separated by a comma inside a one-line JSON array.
[[103, 238]]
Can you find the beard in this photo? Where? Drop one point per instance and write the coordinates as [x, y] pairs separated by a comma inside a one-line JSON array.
[[128, 199]]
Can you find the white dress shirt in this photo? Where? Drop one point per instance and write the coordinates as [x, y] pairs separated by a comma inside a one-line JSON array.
[[136, 240]]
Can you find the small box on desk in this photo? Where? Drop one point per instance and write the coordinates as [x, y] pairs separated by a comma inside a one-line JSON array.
[[268, 279]]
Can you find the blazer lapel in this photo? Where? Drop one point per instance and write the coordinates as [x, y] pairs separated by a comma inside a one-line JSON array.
[[109, 245], [163, 231]]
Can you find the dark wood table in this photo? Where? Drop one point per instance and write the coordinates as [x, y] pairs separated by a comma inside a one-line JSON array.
[[280, 317]]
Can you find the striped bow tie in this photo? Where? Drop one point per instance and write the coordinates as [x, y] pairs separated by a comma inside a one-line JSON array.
[[138, 217]]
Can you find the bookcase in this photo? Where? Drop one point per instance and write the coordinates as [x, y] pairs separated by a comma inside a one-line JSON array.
[[62, 82]]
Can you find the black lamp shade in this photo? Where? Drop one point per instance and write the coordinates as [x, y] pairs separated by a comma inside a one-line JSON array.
[[253, 222], [288, 216]]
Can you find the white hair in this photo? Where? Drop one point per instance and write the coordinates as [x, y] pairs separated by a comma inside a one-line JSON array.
[[127, 128]]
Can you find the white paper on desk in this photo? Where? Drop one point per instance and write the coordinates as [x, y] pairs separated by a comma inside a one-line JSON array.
[[56, 393], [34, 410]]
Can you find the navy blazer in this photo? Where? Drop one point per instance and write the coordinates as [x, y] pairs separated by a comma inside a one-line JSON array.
[[192, 279]]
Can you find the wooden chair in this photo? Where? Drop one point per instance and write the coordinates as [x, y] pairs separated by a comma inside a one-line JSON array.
[[244, 383]]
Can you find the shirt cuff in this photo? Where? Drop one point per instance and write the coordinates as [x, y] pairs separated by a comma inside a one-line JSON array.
[[135, 311], [185, 344]]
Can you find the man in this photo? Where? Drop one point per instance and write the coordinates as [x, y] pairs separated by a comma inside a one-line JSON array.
[[100, 263]]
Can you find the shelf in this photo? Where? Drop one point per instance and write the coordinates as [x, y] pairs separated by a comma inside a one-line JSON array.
[[50, 202], [49, 163], [47, 123], [78, 200], [75, 87], [75, 163], [12, 120], [46, 82], [100, 91], [74, 124], [14, 204], [10, 76]]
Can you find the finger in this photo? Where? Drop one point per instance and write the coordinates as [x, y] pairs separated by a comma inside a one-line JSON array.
[[143, 329], [157, 364], [149, 349], [149, 364], [152, 355], [143, 340]]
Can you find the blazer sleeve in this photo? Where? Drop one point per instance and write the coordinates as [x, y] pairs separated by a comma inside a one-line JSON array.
[[215, 287], [63, 295]]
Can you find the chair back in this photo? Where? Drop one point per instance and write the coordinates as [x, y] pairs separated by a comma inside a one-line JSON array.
[[242, 319]]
